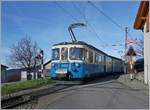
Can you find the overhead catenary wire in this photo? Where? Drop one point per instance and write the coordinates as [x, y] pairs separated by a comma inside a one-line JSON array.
[[86, 21], [109, 18], [65, 11], [92, 30]]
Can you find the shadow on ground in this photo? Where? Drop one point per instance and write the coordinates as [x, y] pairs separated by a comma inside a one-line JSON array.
[[102, 78]]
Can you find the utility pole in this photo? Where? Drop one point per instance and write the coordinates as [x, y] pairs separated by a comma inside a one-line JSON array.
[[126, 38]]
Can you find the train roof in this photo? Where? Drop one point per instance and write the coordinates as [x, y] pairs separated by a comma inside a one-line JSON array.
[[88, 45], [115, 57]]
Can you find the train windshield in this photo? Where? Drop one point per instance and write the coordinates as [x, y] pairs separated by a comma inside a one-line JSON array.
[[64, 53], [76, 53], [55, 54]]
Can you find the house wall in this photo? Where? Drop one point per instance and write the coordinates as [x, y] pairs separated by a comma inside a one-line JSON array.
[[146, 55], [23, 75], [13, 75]]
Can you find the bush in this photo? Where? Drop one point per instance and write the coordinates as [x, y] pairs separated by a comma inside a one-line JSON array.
[[11, 88]]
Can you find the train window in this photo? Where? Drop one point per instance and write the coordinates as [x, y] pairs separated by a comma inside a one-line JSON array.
[[85, 55], [109, 61], [100, 59], [55, 54], [76, 54], [90, 57], [103, 60], [64, 53], [96, 58]]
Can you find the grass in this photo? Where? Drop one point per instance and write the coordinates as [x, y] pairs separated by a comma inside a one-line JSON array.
[[11, 88]]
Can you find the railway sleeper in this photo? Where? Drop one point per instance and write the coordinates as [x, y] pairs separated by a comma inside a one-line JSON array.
[[12, 102]]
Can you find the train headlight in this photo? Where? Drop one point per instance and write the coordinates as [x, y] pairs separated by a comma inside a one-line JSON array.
[[77, 64], [54, 65]]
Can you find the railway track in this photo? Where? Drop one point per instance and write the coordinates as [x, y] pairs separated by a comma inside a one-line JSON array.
[[19, 100], [12, 102], [30, 98]]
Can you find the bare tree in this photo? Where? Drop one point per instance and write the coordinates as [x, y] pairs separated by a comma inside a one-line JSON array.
[[24, 54]]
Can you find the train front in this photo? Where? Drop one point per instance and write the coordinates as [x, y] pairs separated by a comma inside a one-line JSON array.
[[67, 62]]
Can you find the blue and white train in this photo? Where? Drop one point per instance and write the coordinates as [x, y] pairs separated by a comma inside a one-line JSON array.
[[79, 60]]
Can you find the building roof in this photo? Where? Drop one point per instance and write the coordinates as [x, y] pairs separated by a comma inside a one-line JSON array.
[[24, 69], [141, 15]]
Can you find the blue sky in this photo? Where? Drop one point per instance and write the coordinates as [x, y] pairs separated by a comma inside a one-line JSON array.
[[47, 24]]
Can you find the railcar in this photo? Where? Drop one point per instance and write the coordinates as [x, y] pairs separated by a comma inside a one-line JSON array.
[[79, 60]]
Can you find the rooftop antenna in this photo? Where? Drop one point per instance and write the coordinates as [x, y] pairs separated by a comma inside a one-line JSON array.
[[74, 25]]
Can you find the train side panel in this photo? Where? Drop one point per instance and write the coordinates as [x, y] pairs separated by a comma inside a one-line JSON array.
[[92, 70]]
